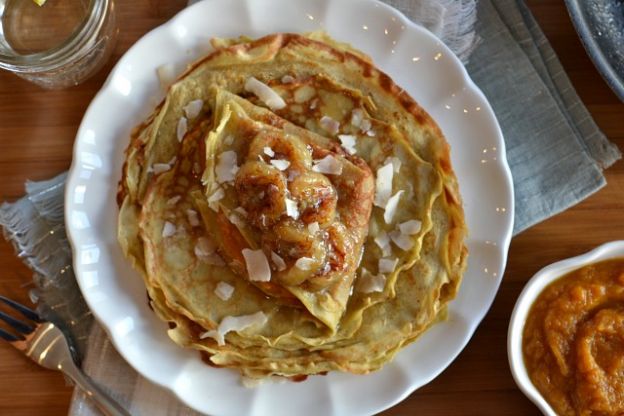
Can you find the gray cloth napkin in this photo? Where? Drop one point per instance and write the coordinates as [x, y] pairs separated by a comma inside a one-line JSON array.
[[555, 150], [35, 225]]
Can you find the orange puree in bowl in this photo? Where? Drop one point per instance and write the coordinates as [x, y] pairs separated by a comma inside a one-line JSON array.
[[573, 341]]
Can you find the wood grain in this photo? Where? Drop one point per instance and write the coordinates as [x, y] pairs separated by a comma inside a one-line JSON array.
[[37, 130]]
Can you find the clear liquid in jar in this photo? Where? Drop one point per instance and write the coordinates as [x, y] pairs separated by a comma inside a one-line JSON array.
[[29, 28]]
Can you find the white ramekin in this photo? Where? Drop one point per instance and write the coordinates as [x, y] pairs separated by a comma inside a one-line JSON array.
[[531, 291]]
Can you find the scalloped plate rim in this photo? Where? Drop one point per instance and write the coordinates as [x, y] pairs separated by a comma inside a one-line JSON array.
[[503, 240]]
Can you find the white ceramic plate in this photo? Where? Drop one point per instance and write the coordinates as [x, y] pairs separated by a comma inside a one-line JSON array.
[[418, 62], [531, 291]]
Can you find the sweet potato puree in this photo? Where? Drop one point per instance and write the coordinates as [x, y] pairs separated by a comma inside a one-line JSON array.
[[573, 341]]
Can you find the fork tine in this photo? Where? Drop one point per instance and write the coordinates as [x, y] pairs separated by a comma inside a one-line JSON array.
[[27, 312], [7, 336], [16, 323]]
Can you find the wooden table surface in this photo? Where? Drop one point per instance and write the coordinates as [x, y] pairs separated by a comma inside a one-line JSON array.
[[37, 130]]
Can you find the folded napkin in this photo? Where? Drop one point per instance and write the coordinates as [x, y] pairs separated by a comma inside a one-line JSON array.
[[555, 151], [554, 148]]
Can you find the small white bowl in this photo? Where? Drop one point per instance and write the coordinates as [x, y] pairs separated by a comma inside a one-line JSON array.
[[531, 291]]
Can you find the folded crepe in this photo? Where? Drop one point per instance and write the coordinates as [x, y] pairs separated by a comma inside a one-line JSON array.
[[291, 210]]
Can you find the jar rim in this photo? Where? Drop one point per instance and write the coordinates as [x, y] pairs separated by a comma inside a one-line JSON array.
[[57, 56]]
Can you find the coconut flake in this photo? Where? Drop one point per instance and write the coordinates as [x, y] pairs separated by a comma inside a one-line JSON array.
[[193, 218], [371, 133], [224, 291], [265, 93], [193, 108], [387, 265], [236, 324], [169, 229], [291, 209], [278, 261], [329, 125], [257, 265], [368, 282], [160, 168], [396, 163], [268, 151], [280, 164], [304, 263], [410, 227], [391, 206], [365, 125], [205, 251], [383, 185], [348, 143], [182, 128], [313, 104], [204, 247], [214, 198], [329, 165], [227, 167], [174, 200], [356, 117], [313, 227], [166, 75], [236, 220], [241, 211], [401, 240], [288, 79], [383, 241]]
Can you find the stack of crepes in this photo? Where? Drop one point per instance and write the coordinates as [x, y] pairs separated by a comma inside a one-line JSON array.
[[292, 211]]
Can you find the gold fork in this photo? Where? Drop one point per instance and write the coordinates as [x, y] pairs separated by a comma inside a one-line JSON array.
[[44, 343]]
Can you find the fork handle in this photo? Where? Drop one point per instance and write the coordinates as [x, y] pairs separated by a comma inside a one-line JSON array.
[[102, 400]]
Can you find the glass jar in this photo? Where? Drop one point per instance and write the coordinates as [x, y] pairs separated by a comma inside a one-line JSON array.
[[59, 44]]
